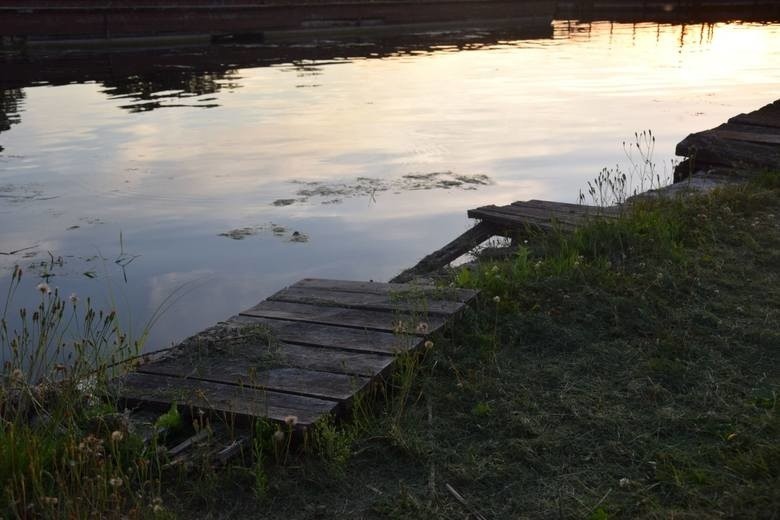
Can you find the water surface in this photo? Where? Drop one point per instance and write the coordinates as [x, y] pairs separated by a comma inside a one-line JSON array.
[[221, 175]]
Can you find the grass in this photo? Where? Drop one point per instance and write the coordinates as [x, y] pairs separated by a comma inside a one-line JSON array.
[[64, 451], [629, 370]]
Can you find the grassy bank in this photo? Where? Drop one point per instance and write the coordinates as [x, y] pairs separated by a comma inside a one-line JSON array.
[[630, 370]]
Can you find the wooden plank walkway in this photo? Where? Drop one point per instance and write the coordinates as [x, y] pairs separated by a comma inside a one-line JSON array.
[[541, 214], [306, 351]]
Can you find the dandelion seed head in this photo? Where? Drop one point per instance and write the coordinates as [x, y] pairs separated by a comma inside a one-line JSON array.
[[291, 420], [428, 344], [44, 288], [17, 376], [497, 299], [422, 328], [117, 436], [278, 436]]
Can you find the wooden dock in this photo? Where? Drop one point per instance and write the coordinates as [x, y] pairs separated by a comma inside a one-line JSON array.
[[746, 141], [727, 154], [512, 220], [306, 351]]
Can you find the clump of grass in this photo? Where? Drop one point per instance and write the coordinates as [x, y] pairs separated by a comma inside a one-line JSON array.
[[64, 451], [613, 186]]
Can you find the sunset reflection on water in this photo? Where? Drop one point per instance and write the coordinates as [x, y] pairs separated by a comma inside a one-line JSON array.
[[172, 157]]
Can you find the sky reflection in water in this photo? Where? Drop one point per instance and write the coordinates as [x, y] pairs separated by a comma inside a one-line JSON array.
[[172, 168]]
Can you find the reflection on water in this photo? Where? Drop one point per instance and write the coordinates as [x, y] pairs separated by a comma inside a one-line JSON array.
[[10, 101], [337, 159]]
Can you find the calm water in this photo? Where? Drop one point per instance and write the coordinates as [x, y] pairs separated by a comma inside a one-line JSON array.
[[372, 154]]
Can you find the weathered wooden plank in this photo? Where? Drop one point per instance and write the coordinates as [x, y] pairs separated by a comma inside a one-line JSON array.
[[363, 319], [397, 289], [160, 391], [334, 360], [246, 360], [550, 213], [751, 137], [514, 220], [405, 303], [768, 116], [301, 381], [455, 249], [569, 208], [361, 340], [705, 148]]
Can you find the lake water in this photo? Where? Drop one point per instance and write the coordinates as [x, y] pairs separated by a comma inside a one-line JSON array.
[[221, 175]]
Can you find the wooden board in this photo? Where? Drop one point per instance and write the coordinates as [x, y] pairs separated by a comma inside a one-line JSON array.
[[512, 217], [397, 289], [707, 148], [750, 137], [160, 391], [357, 318], [406, 303], [571, 209], [360, 340], [567, 214], [313, 383]]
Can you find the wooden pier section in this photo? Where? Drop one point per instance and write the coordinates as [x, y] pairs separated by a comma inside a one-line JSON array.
[[306, 351], [727, 154], [746, 141], [513, 220]]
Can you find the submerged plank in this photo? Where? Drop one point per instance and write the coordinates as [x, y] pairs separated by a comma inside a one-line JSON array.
[[161, 391], [455, 249], [397, 289], [361, 340], [408, 302], [363, 319]]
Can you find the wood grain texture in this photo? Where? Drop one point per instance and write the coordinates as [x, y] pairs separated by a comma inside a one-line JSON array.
[[360, 340], [362, 319], [707, 148], [510, 217], [396, 289], [313, 383], [566, 208], [408, 302], [160, 391]]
